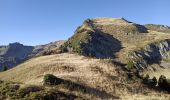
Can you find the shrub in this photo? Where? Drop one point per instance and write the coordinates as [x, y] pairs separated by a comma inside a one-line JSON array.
[[146, 79], [164, 83], [8, 89], [154, 81], [130, 65], [27, 90], [50, 79], [5, 68], [150, 82], [63, 48]]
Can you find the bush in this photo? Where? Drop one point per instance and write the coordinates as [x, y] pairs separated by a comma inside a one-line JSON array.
[[154, 81], [27, 90], [151, 82], [50, 79], [5, 68], [130, 65], [164, 83], [146, 78]]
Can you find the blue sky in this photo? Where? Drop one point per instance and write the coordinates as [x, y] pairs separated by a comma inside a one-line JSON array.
[[34, 22]]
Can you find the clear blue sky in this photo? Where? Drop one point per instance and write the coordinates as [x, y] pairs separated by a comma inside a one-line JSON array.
[[35, 22]]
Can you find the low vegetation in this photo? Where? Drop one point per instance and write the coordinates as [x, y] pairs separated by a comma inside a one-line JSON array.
[[13, 91], [50, 79], [151, 82], [5, 68], [164, 83], [130, 65], [159, 28]]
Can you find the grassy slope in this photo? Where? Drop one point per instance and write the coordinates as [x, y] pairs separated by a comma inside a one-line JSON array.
[[99, 76], [159, 28]]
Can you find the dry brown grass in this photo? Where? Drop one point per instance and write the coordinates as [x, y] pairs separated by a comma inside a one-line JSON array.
[[100, 77]]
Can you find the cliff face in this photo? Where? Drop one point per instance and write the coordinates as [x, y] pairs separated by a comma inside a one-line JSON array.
[[152, 53]]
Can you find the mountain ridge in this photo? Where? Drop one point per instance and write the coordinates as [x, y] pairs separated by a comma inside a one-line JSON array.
[[16, 53]]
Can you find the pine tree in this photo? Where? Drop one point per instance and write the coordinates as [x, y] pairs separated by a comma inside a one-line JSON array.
[[154, 81], [5, 68]]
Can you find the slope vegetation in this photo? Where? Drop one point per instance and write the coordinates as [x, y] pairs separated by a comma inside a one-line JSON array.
[[100, 78]]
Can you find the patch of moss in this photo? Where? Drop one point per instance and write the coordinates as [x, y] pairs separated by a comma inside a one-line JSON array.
[[130, 65]]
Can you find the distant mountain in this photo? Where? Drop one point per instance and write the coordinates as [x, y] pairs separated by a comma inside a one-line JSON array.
[[16, 53], [47, 49]]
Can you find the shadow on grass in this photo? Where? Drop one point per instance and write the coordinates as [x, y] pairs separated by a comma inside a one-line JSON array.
[[72, 86]]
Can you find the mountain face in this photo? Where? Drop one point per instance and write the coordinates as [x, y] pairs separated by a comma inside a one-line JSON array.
[[16, 53], [102, 37], [141, 46]]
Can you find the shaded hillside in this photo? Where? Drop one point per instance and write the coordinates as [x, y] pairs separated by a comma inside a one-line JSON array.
[[153, 59], [15, 91], [16, 53], [102, 37]]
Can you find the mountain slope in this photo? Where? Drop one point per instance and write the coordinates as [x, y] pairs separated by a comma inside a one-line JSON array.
[[111, 38], [101, 78], [97, 35], [13, 54], [50, 48], [142, 49], [16, 53]]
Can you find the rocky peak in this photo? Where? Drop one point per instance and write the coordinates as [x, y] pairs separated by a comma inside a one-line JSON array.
[[16, 44]]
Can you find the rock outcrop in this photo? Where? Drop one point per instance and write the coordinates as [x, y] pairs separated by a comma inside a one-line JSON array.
[[152, 53]]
